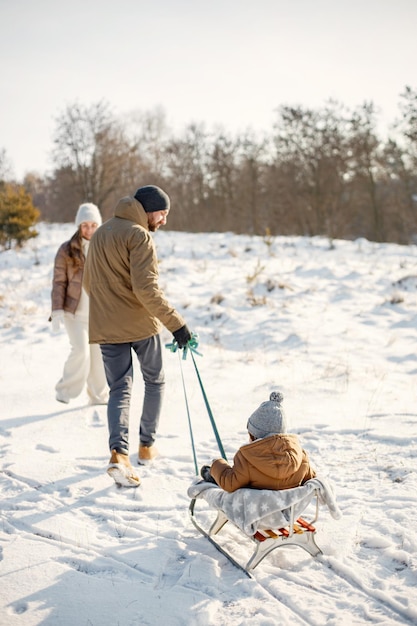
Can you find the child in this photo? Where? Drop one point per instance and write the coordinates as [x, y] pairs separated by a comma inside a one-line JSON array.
[[272, 460]]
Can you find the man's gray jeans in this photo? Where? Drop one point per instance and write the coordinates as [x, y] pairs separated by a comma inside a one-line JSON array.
[[118, 365]]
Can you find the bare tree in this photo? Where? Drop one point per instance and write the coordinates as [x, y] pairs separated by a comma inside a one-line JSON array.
[[6, 170], [251, 194], [365, 168], [310, 160], [408, 123], [186, 181], [91, 151], [400, 156], [61, 196], [222, 172], [149, 133]]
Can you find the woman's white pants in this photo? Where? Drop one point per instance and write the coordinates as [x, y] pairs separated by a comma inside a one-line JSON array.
[[83, 367]]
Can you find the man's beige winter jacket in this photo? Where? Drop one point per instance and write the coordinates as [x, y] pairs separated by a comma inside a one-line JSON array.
[[121, 278], [274, 462]]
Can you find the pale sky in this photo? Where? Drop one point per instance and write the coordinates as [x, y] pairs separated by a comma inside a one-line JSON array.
[[223, 62]]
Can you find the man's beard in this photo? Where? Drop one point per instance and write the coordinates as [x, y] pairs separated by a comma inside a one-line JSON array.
[[152, 226]]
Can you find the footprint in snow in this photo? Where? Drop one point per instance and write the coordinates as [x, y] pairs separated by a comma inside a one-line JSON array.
[[41, 446]]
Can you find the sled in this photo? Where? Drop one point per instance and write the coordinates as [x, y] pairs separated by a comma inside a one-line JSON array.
[[299, 532]]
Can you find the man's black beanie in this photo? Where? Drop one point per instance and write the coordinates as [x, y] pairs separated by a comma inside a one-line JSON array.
[[152, 198]]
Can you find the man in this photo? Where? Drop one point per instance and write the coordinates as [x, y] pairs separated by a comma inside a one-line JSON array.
[[127, 311]]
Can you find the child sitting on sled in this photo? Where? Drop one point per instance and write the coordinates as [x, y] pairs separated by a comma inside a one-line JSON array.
[[273, 459]]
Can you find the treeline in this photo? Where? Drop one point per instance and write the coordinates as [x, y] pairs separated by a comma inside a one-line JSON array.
[[319, 171]]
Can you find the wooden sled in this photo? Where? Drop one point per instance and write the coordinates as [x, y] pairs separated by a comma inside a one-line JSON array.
[[298, 532]]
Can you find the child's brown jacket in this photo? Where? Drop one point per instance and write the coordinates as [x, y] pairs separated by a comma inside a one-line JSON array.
[[274, 462]]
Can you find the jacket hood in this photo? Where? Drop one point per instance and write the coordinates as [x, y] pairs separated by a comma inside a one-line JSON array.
[[277, 454], [128, 208]]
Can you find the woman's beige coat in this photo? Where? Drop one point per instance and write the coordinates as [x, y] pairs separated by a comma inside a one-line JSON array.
[[121, 278]]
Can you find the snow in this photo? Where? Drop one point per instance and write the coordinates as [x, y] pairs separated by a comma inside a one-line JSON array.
[[330, 324]]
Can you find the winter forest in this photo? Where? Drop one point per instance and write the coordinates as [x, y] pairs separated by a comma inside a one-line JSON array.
[[328, 171]]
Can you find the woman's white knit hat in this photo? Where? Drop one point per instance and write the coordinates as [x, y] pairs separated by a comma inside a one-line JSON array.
[[269, 418], [88, 212]]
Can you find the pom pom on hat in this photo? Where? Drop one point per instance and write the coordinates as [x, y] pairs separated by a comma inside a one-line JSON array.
[[88, 212], [269, 418], [276, 396], [152, 198]]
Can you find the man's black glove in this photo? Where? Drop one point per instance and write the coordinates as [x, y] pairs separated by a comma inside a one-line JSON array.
[[205, 474], [182, 336]]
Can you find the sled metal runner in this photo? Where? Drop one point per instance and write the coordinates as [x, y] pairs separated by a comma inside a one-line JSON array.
[[299, 533], [213, 541]]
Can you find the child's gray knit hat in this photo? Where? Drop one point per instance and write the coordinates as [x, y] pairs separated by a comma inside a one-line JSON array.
[[269, 418]]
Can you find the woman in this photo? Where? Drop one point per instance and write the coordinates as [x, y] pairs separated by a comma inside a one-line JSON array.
[[84, 365]]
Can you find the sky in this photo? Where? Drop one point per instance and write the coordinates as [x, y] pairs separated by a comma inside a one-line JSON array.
[[330, 326], [228, 63]]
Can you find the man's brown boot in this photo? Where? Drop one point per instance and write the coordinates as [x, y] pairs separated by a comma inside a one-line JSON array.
[[121, 471], [147, 454]]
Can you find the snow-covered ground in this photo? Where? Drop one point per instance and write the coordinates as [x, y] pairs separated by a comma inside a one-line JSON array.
[[332, 326]]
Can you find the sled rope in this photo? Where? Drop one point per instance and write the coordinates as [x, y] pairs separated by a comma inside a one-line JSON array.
[[191, 347], [210, 414], [189, 418]]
